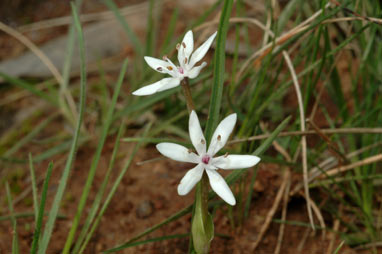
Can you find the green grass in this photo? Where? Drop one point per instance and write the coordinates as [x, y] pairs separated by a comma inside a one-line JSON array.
[[338, 65]]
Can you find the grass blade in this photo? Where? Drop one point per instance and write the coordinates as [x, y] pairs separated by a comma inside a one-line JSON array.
[[15, 241], [98, 198], [113, 190], [65, 175], [97, 156], [219, 67], [38, 226], [30, 87], [34, 188]]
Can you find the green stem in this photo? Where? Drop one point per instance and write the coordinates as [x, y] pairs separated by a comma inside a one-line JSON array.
[[187, 93], [201, 199]]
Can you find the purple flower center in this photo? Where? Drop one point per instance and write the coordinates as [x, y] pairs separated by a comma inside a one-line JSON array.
[[180, 69], [206, 158]]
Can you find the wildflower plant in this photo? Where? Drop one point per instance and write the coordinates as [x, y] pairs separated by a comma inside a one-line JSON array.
[[205, 157]]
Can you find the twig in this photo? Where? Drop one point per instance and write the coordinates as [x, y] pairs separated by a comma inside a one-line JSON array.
[[303, 138], [41, 55], [252, 21], [332, 146], [360, 163], [317, 171], [272, 211], [30, 45], [287, 157], [336, 227], [301, 245], [278, 41], [312, 132], [283, 215]]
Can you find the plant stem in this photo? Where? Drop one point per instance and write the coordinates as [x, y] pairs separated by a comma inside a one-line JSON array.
[[187, 93], [201, 194]]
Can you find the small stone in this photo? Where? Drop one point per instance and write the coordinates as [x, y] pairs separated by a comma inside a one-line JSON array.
[[144, 209]]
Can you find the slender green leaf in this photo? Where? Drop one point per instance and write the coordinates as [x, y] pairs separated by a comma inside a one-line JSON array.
[[15, 240], [219, 69], [65, 175], [113, 190], [41, 210], [98, 198], [34, 187], [94, 165]]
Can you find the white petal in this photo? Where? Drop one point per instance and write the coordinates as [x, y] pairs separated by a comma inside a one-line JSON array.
[[162, 66], [156, 87], [177, 152], [235, 161], [202, 50], [194, 72], [156, 64], [196, 134], [171, 83], [221, 188], [221, 134], [186, 48], [189, 180]]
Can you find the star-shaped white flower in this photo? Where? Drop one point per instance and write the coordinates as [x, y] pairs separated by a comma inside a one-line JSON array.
[[186, 68], [204, 158]]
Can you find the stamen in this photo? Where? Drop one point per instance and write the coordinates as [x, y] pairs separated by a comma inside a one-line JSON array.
[[202, 141], [219, 137], [185, 60], [169, 68], [177, 46], [206, 158], [165, 57], [226, 155], [159, 69], [190, 150], [184, 45]]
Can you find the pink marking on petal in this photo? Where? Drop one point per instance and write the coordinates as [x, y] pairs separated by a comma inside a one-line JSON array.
[[180, 69], [206, 159]]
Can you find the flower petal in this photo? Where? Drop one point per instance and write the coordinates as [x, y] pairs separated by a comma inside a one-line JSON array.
[[196, 134], [201, 51], [194, 72], [221, 188], [160, 65], [177, 152], [158, 86], [186, 48], [189, 180], [170, 83], [221, 134], [235, 161]]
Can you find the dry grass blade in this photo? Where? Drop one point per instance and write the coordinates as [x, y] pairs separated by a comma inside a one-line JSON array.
[[283, 215], [329, 163], [41, 55], [272, 211], [303, 139], [312, 132], [30, 45], [369, 160]]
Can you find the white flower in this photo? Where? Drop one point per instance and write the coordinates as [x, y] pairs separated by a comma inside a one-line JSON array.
[[204, 158], [186, 66]]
